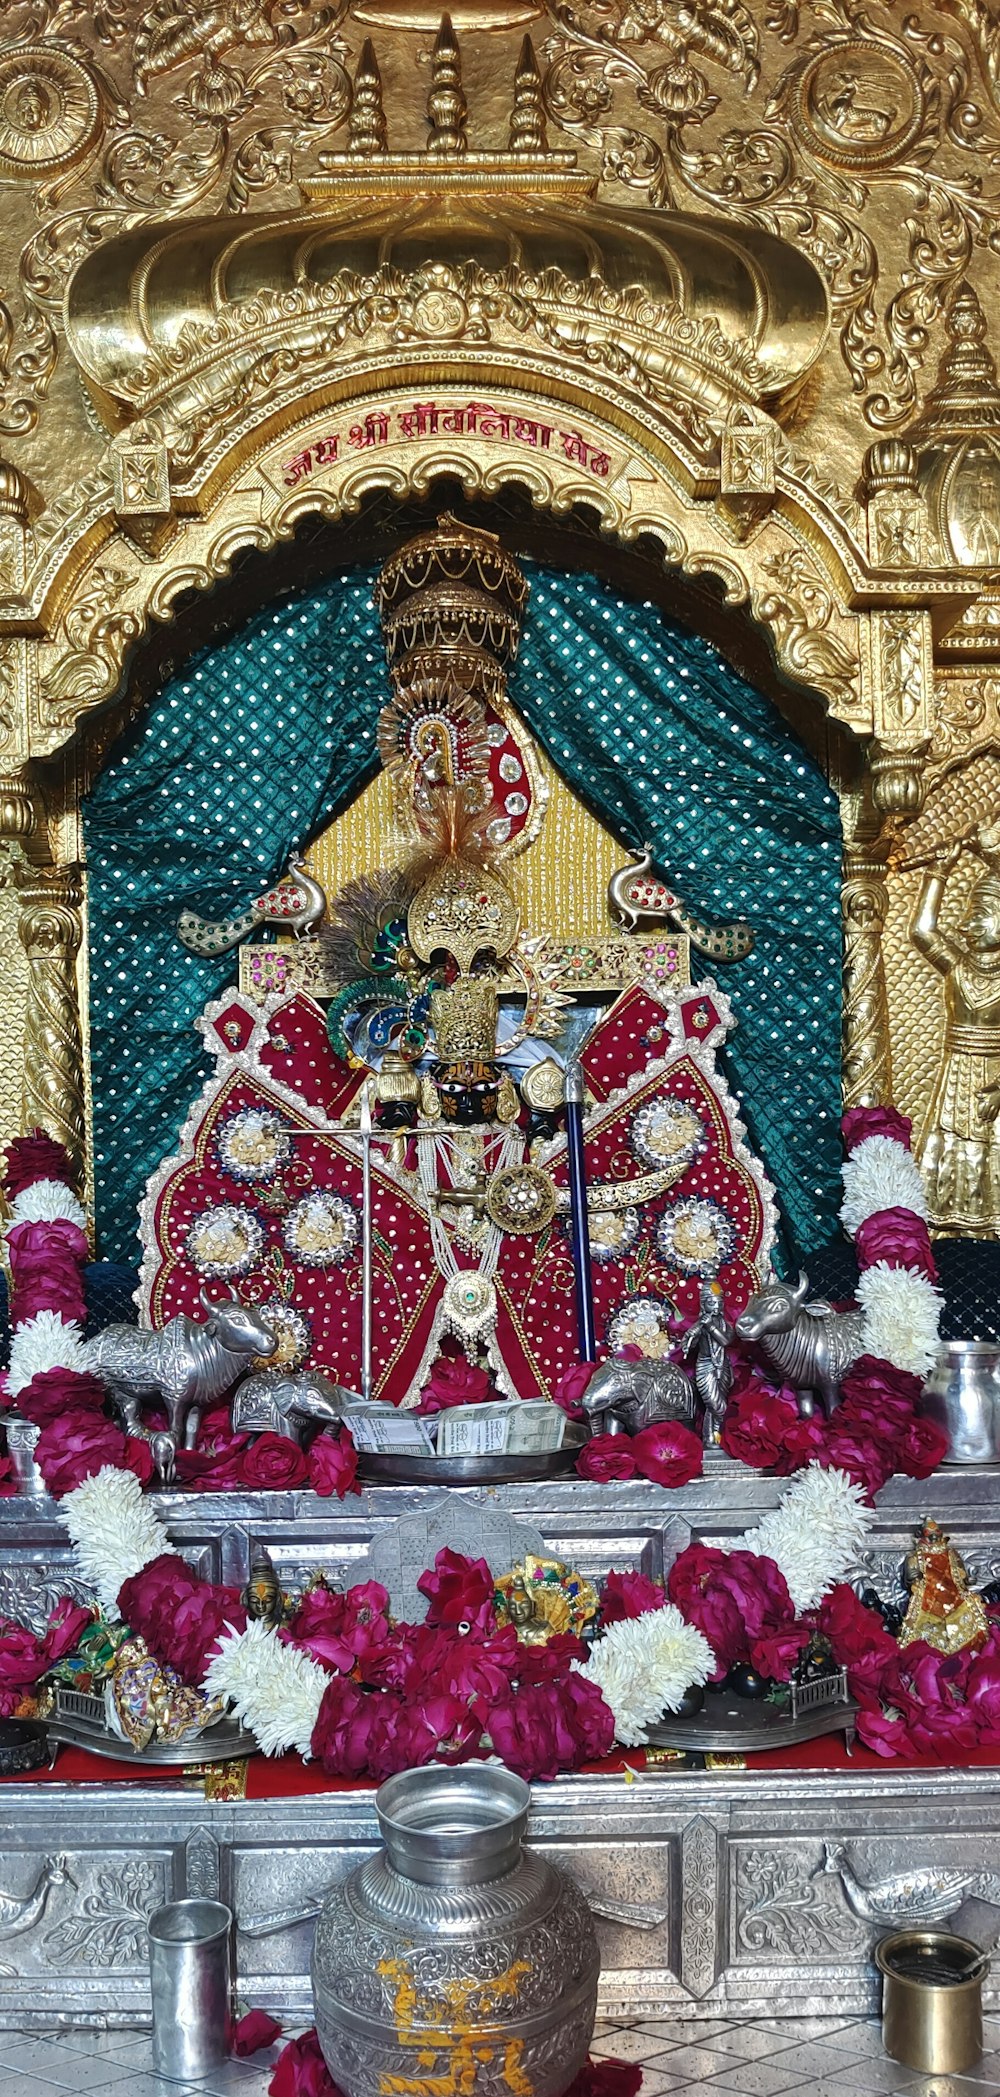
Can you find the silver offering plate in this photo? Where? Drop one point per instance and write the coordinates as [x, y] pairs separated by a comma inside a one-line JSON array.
[[733, 1725], [224, 1742], [467, 1470]]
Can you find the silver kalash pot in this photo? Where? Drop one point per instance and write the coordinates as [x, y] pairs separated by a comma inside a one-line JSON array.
[[455, 1958]]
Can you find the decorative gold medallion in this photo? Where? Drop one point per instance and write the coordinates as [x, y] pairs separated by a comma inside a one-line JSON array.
[[521, 1200], [49, 110], [858, 106], [470, 1305]]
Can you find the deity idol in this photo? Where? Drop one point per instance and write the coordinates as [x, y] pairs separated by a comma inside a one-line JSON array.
[[959, 1145]]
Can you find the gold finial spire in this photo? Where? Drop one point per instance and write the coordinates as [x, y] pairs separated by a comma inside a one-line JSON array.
[[368, 136], [446, 105], [527, 118]]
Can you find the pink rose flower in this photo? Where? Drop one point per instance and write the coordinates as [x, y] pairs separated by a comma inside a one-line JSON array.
[[607, 1456], [855, 1632], [570, 1389], [924, 1446], [872, 1377], [668, 1453], [542, 1729], [454, 1381], [252, 2032], [301, 2071], [900, 1238], [605, 2078], [626, 1595], [218, 1470], [333, 1465], [861, 1122], [35, 1157], [734, 1598], [759, 1427], [273, 1463], [550, 1662], [866, 1459], [78, 1444], [342, 1631], [355, 1734], [53, 1393], [459, 1591], [438, 1726], [47, 1269], [24, 1659], [179, 1615]]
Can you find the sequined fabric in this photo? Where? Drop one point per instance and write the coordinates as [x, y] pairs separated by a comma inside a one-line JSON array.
[[233, 766], [651, 726], [267, 735]]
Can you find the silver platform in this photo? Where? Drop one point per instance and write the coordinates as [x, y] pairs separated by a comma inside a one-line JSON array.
[[715, 1878]]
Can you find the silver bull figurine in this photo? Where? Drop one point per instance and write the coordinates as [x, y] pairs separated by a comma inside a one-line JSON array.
[[638, 1394], [187, 1363], [283, 1401], [810, 1344]]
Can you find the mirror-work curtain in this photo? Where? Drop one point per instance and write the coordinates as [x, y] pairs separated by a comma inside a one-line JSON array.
[[267, 735]]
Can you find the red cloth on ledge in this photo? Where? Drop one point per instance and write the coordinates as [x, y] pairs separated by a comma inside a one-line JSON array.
[[290, 1777]]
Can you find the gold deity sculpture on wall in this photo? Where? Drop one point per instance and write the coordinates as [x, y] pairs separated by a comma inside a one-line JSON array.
[[959, 1144]]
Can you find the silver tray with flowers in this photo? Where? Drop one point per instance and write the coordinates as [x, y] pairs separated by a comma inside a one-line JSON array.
[[80, 1720], [497, 1443]]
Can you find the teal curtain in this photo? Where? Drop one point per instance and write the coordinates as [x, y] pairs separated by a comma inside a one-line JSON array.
[[233, 766], [668, 744], [270, 733]]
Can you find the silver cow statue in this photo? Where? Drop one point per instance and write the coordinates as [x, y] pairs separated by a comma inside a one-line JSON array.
[[637, 1395], [286, 1401], [187, 1363], [810, 1344]]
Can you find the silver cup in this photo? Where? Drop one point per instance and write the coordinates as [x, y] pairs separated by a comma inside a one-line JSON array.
[[190, 1970], [962, 1394]]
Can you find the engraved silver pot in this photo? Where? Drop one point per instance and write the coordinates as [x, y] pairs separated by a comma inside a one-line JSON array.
[[962, 1394], [454, 1958]]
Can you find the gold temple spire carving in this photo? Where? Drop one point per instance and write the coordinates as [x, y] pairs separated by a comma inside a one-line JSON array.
[[447, 109], [527, 119], [368, 134]]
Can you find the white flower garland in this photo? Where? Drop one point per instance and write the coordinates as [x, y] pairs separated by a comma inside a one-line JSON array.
[[113, 1530], [275, 1689], [643, 1665], [880, 1174], [46, 1201], [814, 1535], [43, 1342], [902, 1307], [902, 1316]]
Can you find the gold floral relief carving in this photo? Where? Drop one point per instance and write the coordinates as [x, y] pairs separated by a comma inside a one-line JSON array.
[[868, 136]]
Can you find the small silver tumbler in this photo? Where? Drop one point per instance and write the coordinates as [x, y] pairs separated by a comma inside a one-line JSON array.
[[190, 1969], [962, 1394]]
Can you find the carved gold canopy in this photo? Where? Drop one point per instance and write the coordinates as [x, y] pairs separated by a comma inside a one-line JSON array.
[[711, 276]]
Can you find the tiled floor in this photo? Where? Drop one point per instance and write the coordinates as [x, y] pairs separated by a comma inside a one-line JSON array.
[[804, 2057]]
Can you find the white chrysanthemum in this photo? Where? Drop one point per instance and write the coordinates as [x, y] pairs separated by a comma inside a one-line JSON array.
[[815, 1534], [275, 1689], [643, 1665], [44, 1342], [902, 1316], [879, 1175], [114, 1531], [47, 1201]]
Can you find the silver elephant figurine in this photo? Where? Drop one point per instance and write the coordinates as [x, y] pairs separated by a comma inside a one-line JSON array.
[[811, 1345], [285, 1401], [637, 1395]]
